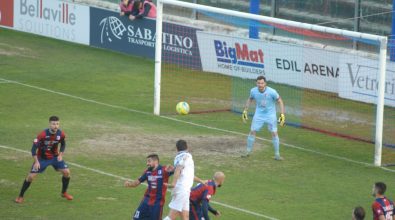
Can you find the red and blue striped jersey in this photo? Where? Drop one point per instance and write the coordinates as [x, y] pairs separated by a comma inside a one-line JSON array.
[[383, 206], [45, 146], [203, 191], [156, 191]]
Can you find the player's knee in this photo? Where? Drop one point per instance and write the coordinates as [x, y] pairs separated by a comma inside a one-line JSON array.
[[30, 177], [66, 173]]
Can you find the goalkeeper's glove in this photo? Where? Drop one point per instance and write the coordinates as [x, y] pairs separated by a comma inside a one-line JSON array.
[[244, 116], [281, 119]]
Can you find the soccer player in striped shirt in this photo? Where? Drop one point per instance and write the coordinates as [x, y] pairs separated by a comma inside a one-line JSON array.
[[45, 152], [383, 208], [156, 176], [201, 195]]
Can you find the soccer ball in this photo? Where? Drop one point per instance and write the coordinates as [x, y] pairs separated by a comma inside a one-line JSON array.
[[182, 108]]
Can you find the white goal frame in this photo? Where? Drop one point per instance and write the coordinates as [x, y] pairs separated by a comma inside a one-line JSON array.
[[382, 56]]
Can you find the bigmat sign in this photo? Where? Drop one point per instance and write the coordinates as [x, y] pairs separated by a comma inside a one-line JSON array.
[[7, 13], [53, 18], [359, 80], [282, 63], [111, 31]]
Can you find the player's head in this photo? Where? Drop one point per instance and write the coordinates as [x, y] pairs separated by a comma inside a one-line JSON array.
[[358, 213], [152, 161], [181, 145], [379, 189], [219, 178], [138, 4], [261, 83], [54, 123]]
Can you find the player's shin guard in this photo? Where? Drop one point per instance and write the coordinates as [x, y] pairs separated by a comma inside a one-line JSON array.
[[250, 143], [276, 145], [25, 186], [65, 183]]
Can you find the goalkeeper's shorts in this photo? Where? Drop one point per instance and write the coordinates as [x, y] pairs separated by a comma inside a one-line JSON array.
[[258, 123]]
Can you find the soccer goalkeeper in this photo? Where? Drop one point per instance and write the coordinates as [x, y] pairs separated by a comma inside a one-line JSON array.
[[265, 113]]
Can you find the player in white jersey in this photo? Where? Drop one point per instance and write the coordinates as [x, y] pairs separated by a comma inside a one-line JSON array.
[[184, 175], [265, 99]]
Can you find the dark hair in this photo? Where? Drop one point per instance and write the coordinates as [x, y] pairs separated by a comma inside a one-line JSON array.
[[359, 213], [260, 78], [181, 145], [54, 118], [136, 4], [380, 187], [153, 156]]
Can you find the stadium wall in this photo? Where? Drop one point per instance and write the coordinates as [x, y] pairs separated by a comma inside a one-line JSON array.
[[317, 69]]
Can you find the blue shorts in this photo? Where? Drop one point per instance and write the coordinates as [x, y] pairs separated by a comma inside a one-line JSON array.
[[57, 165], [148, 212], [258, 123]]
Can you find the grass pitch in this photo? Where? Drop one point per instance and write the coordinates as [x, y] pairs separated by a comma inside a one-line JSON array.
[[104, 100]]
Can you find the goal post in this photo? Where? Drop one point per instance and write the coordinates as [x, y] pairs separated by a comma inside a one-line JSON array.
[[381, 41]]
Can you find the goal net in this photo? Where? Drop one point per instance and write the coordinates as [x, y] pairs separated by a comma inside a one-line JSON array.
[[331, 80]]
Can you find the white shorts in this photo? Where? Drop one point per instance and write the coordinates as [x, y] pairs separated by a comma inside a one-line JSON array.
[[180, 200]]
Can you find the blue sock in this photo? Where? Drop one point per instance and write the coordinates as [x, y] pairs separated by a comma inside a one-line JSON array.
[[250, 143], [276, 145]]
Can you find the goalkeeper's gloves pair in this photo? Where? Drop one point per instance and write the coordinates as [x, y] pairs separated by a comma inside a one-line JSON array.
[[281, 119]]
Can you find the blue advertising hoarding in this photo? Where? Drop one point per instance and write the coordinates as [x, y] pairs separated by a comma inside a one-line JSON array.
[[111, 31]]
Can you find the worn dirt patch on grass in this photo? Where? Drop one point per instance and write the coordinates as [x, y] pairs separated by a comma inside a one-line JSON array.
[[143, 144], [10, 50]]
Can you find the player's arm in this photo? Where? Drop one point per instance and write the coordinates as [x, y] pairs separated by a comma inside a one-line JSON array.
[[198, 180], [176, 175], [132, 184], [281, 119], [62, 147], [212, 210], [35, 145], [207, 208], [170, 170], [135, 183], [245, 110]]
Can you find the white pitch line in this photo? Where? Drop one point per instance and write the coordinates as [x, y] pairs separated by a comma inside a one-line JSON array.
[[124, 178], [195, 124]]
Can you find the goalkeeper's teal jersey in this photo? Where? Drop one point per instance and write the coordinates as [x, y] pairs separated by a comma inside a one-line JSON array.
[[265, 102]]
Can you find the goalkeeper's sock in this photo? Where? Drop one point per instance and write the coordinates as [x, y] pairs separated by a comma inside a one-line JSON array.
[[250, 143], [276, 145]]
